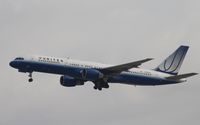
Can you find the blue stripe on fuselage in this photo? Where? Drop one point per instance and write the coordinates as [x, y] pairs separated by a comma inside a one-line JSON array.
[[54, 68], [133, 79]]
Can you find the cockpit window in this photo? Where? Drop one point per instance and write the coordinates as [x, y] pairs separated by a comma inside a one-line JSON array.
[[19, 58]]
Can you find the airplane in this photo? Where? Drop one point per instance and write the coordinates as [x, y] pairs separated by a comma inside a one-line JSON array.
[[75, 73]]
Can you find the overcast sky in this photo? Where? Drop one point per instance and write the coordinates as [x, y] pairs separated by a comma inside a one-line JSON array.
[[106, 31]]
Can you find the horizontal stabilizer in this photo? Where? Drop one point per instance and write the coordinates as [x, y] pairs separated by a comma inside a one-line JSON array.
[[178, 77]]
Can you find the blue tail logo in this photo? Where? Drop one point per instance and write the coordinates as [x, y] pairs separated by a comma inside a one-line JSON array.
[[173, 63]]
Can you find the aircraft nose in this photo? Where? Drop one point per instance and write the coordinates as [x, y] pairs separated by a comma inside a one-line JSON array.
[[13, 64]]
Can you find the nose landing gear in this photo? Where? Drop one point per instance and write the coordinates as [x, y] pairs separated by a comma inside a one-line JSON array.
[[30, 77]]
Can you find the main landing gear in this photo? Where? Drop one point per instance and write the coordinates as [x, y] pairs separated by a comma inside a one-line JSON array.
[[30, 77], [99, 88], [100, 84]]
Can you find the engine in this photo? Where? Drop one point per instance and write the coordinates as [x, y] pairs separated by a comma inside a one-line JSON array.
[[90, 74], [68, 81]]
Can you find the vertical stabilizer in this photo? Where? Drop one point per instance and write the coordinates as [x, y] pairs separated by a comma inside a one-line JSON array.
[[173, 63]]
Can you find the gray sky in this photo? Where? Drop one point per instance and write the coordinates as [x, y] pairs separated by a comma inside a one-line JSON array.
[[107, 31]]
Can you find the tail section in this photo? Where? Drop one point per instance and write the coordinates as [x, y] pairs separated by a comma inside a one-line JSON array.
[[173, 63]]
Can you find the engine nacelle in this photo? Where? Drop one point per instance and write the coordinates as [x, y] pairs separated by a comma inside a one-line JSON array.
[[90, 74], [68, 81]]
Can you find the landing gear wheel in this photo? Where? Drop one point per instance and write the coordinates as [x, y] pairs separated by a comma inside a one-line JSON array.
[[30, 77], [99, 88], [30, 80], [95, 87]]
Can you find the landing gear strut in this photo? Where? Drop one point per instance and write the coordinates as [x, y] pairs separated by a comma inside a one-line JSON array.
[[30, 77]]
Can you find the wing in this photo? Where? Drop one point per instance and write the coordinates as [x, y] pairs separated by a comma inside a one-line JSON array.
[[123, 67]]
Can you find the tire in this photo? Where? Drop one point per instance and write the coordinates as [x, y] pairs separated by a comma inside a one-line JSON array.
[[30, 80], [99, 88]]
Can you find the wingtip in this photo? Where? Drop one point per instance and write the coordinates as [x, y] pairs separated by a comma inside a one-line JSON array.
[[195, 73], [150, 59]]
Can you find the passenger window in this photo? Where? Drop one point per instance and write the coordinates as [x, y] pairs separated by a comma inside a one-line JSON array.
[[19, 58]]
